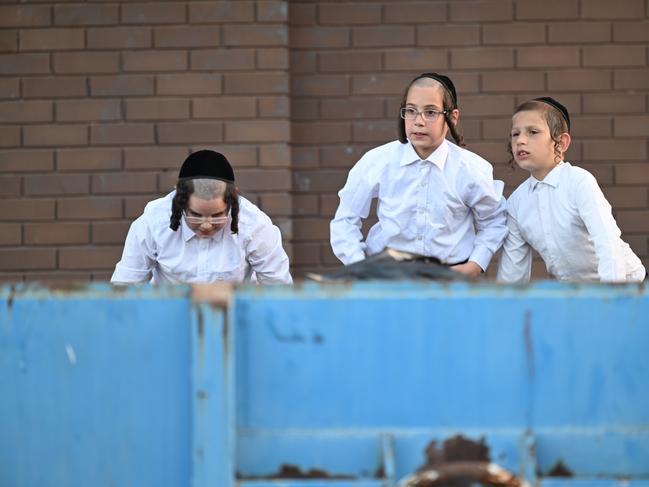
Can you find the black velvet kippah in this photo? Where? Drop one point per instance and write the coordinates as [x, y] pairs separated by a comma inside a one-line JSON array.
[[446, 83], [207, 164], [555, 104]]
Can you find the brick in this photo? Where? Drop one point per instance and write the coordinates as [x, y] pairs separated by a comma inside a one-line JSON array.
[[305, 157], [482, 58], [591, 127], [264, 179], [487, 105], [471, 129], [89, 257], [579, 32], [272, 58], [10, 234], [547, 56], [341, 156], [26, 258], [8, 41], [356, 60], [639, 244], [88, 159], [167, 181], [274, 106], [319, 86], [269, 11], [56, 184], [373, 131], [633, 220], [56, 233], [614, 103], [614, 56], [631, 32], [512, 81], [154, 13], [380, 84], [349, 13], [305, 109], [415, 59], [93, 207], [579, 80], [58, 277], [26, 111], [383, 35], [448, 35], [88, 109], [121, 85], [123, 183], [601, 9], [26, 161], [24, 64], [350, 108], [511, 177], [222, 12], [306, 253], [302, 14], [311, 229], [257, 83], [630, 79], [119, 37], [627, 197], [154, 61], [516, 34], [255, 35], [25, 16], [190, 132], [306, 204], [547, 10], [321, 132], [85, 62], [80, 14], [26, 209], [9, 136], [319, 37], [188, 84], [224, 107], [222, 59], [303, 62], [54, 87], [109, 232], [632, 126], [275, 155], [414, 12], [257, 131], [483, 10], [122, 133], [154, 157], [157, 109], [55, 135], [187, 36], [134, 205], [494, 152], [10, 186], [611, 150], [51, 39]]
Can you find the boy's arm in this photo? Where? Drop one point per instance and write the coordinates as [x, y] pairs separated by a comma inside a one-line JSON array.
[[266, 255], [490, 219], [516, 258], [136, 263]]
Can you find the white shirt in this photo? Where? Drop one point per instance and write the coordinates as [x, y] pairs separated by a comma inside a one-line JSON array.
[[567, 220], [152, 249], [447, 206]]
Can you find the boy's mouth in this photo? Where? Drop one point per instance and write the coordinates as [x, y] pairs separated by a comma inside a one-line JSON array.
[[522, 153]]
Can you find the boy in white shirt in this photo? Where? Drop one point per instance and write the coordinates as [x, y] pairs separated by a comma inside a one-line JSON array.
[[560, 211], [434, 198]]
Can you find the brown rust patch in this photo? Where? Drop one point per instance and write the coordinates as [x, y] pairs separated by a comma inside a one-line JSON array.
[[455, 449], [560, 470], [288, 471]]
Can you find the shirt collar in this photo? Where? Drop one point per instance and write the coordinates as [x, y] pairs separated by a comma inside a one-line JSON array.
[[553, 178], [188, 233], [438, 157]]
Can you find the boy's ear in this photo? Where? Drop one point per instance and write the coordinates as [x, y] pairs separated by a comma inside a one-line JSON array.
[[564, 142], [455, 115]]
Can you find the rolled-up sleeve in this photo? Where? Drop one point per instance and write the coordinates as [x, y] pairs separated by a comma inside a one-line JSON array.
[[137, 259]]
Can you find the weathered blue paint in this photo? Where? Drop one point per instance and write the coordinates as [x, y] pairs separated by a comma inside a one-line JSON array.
[[145, 387]]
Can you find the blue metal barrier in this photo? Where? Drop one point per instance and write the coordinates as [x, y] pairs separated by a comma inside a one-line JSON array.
[[321, 385]]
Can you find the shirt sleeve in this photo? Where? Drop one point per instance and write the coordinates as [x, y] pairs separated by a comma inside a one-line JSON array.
[[355, 200], [595, 212], [265, 254], [490, 219], [516, 258], [138, 258]]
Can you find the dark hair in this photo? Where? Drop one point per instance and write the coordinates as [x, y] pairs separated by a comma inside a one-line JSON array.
[[557, 125], [449, 106], [185, 188]]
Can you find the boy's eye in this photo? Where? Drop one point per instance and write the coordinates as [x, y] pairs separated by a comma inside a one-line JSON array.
[[430, 113]]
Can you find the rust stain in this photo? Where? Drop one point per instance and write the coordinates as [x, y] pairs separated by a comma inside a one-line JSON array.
[[560, 470], [455, 449], [200, 325], [289, 471], [529, 345]]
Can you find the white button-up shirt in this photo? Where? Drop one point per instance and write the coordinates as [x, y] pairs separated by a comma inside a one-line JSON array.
[[447, 206], [567, 220], [155, 252]]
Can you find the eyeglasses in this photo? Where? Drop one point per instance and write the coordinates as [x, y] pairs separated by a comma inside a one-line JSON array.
[[409, 113], [199, 220]]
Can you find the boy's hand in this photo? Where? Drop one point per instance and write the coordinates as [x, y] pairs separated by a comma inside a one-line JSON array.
[[470, 269]]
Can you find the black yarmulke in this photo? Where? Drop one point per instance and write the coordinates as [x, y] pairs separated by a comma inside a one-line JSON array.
[[445, 81], [555, 104], [207, 164]]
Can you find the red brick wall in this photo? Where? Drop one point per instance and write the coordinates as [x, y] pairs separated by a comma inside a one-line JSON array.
[[101, 101]]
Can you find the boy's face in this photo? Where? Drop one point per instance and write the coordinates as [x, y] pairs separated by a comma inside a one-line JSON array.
[[532, 146], [206, 217], [426, 136]]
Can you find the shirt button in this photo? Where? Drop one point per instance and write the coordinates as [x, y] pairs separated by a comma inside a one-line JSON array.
[[419, 237], [423, 183]]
